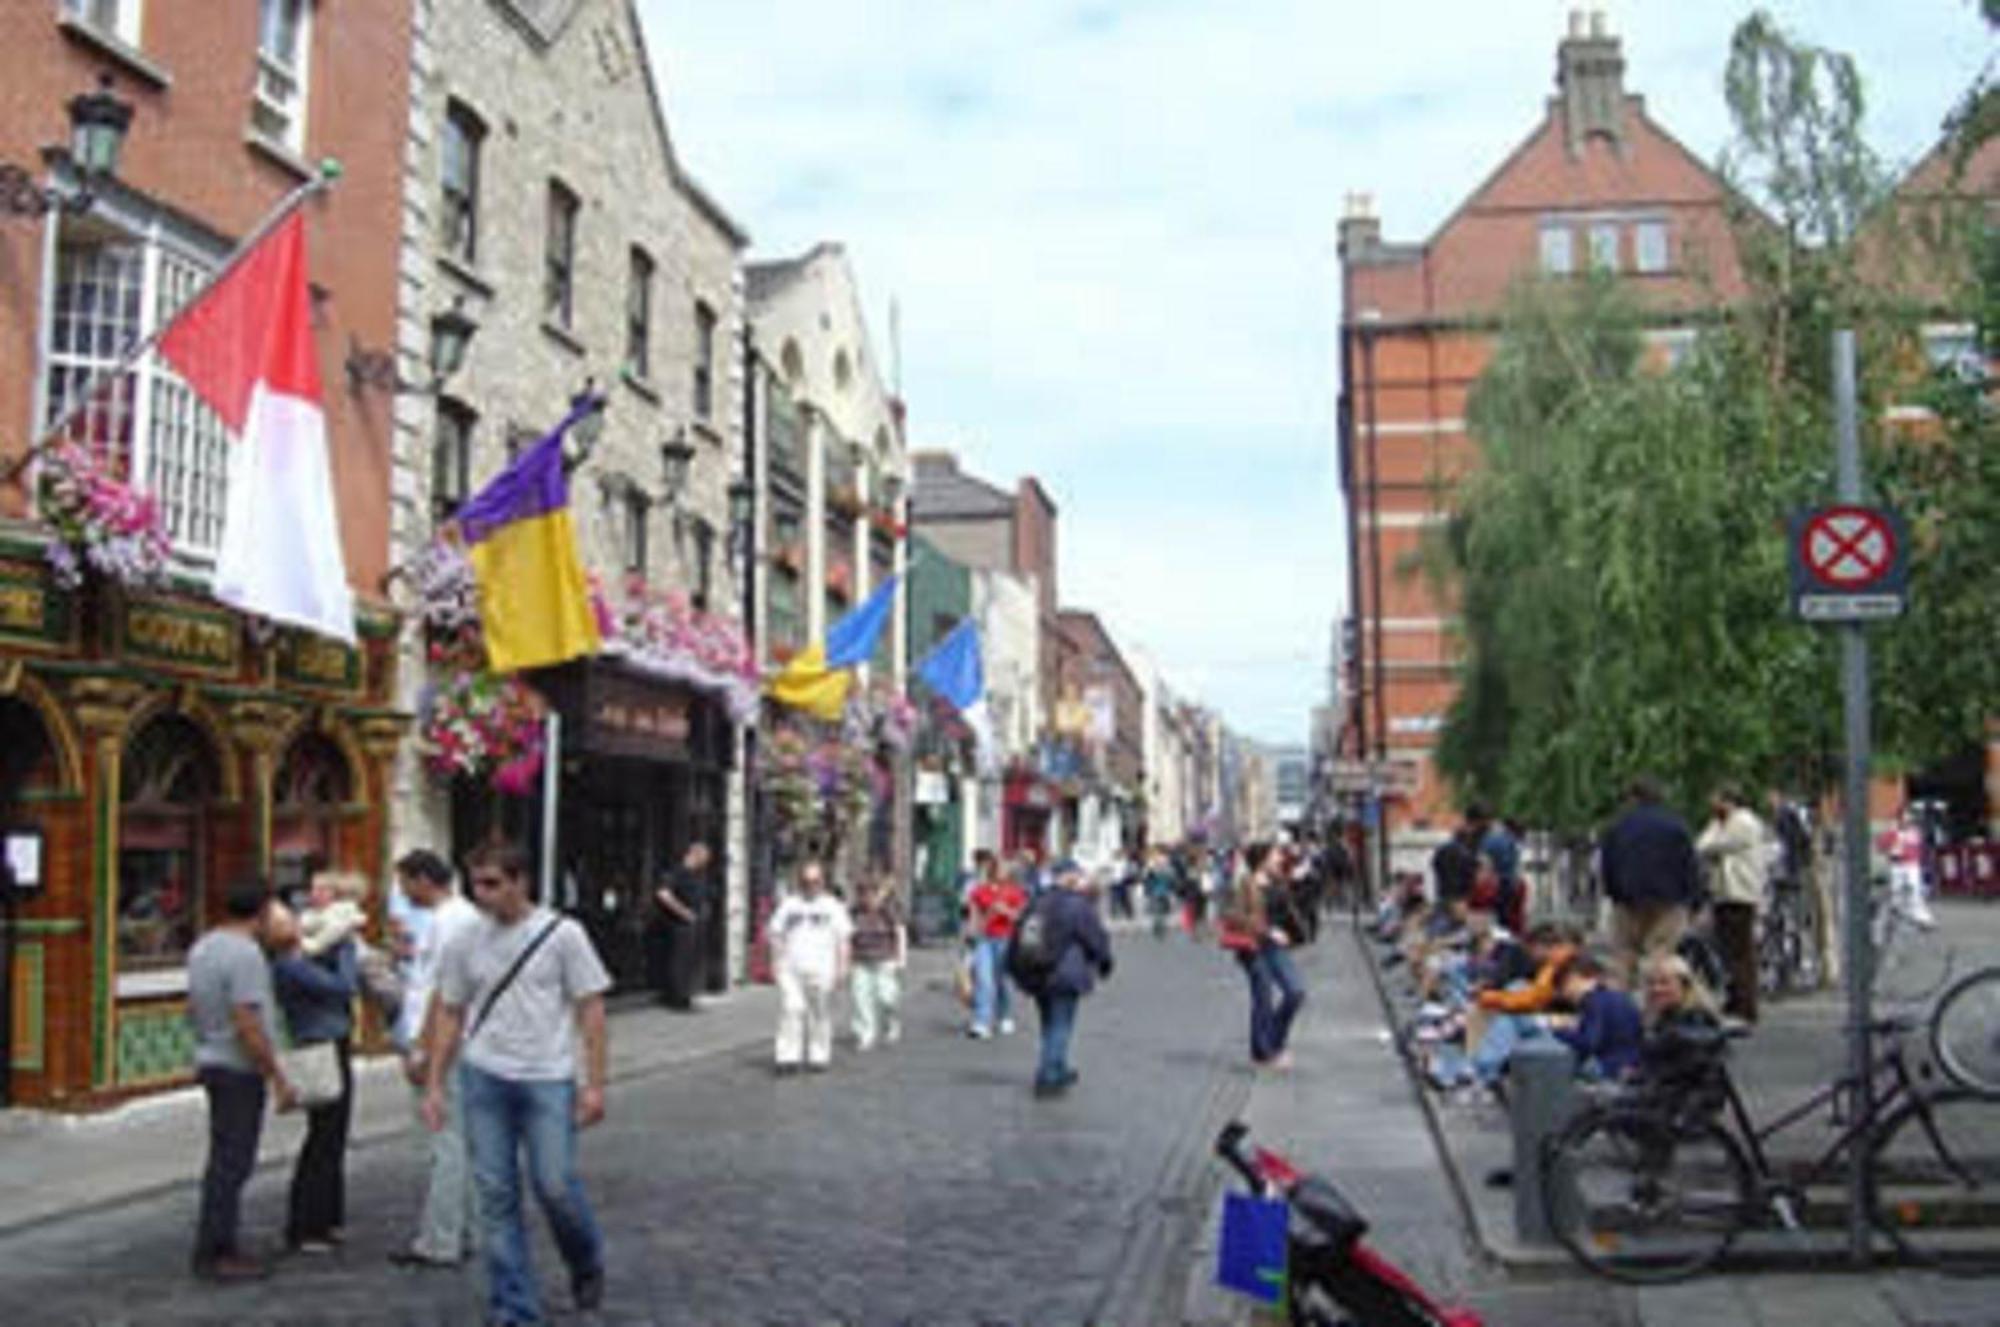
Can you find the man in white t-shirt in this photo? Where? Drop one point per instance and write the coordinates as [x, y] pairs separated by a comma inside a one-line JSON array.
[[809, 932], [446, 1232], [515, 991]]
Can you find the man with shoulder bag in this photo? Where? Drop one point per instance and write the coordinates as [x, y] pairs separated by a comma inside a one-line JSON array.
[[514, 994]]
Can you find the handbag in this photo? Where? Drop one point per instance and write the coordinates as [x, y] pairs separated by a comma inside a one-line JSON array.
[[961, 980], [313, 1071], [381, 982]]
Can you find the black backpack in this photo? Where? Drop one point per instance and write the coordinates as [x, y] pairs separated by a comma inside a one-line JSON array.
[[1033, 951]]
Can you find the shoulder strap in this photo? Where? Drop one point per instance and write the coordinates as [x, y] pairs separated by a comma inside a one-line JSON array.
[[500, 987]]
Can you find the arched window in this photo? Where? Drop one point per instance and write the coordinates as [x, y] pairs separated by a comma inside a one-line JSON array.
[[843, 370], [794, 363], [27, 757], [313, 785], [171, 781]]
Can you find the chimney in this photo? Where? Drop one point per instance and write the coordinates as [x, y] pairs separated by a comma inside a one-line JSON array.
[[1360, 229], [1590, 78]]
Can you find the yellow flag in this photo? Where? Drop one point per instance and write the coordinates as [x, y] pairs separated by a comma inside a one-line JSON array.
[[808, 684]]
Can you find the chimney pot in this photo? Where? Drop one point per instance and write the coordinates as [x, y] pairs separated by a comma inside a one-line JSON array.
[[1576, 22], [1597, 23]]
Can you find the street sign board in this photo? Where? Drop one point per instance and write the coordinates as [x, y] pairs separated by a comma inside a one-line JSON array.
[[1397, 776], [1849, 563]]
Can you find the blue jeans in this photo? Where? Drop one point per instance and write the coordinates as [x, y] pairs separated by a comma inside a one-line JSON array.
[[991, 1000], [1270, 969], [1058, 1013], [1503, 1034], [502, 1115]]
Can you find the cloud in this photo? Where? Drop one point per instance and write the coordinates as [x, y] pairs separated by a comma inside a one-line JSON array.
[[1110, 226]]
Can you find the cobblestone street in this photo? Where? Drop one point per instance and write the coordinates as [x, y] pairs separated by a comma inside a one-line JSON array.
[[923, 1184]]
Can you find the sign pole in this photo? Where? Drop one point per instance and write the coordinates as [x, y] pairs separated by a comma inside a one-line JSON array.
[[1854, 705]]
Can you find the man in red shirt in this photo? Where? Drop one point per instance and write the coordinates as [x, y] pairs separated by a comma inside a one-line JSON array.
[[996, 906]]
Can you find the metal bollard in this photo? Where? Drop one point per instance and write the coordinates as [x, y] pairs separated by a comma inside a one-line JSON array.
[[1541, 1098]]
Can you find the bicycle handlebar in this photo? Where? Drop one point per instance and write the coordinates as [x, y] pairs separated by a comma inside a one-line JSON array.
[[1229, 1146]]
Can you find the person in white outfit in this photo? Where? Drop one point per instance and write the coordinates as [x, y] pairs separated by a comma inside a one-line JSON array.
[[809, 932], [1903, 844]]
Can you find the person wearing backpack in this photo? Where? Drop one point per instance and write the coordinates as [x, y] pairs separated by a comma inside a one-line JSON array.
[[1059, 952]]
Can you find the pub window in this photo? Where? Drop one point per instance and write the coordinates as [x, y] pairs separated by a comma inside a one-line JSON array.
[[559, 256], [637, 506], [704, 563], [113, 18], [170, 783], [1556, 257], [284, 37], [704, 361], [27, 759], [1604, 247], [639, 316], [451, 458], [309, 796], [458, 177]]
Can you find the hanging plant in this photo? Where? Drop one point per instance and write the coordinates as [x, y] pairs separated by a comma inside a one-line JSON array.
[[481, 726], [103, 525], [662, 633]]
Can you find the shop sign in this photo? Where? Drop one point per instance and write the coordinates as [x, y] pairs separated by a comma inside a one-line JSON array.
[[933, 788], [636, 718], [182, 636], [312, 661], [32, 611]]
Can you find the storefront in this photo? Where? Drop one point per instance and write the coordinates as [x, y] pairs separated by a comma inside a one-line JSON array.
[[645, 772], [158, 750]]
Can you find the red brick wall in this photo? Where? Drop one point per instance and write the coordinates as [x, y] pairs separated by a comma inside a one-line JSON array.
[[187, 150]]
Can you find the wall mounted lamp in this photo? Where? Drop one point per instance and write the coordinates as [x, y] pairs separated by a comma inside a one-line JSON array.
[[451, 334], [98, 122]]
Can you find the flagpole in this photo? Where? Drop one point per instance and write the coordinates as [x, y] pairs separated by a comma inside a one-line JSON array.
[[80, 401]]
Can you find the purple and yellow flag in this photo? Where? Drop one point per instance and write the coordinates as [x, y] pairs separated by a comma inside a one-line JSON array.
[[534, 602]]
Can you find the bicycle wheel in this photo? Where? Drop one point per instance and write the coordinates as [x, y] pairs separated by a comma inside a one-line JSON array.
[[1965, 1032], [1935, 1169], [1637, 1197]]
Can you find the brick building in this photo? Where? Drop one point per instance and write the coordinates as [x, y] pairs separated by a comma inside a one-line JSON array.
[[1597, 184], [154, 745]]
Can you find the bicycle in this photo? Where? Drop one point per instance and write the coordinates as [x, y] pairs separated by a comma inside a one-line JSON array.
[[1965, 1032], [1657, 1183], [1787, 951], [1327, 1266]]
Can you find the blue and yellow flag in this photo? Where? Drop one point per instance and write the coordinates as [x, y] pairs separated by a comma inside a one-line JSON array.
[[534, 603], [818, 678]]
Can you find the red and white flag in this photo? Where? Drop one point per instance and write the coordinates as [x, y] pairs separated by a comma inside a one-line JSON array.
[[246, 347]]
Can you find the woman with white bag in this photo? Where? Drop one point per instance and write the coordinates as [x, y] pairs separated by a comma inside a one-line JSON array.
[[316, 995]]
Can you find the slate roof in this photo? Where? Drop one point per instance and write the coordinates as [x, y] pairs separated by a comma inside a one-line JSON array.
[[943, 492]]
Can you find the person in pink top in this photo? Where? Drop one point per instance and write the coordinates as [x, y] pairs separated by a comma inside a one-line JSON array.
[[1903, 845]]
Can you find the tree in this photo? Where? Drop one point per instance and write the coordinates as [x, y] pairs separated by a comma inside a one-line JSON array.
[[1619, 557]]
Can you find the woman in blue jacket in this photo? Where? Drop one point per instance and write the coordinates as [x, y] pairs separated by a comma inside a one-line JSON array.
[[317, 997]]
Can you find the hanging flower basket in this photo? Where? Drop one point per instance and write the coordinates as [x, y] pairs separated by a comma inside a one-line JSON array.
[[845, 499], [481, 726], [103, 526], [661, 633]]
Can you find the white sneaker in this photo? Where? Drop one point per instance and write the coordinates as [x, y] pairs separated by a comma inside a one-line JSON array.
[[867, 1045], [1006, 1027], [978, 1033], [893, 1035]]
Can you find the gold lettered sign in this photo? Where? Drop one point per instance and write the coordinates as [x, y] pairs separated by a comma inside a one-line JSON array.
[[33, 610], [318, 664], [629, 717], [185, 636]]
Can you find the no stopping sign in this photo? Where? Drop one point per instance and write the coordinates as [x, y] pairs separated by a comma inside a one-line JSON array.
[[1848, 563]]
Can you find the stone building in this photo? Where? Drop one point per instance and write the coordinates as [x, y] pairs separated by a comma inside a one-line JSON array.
[[544, 203], [1596, 185], [155, 745]]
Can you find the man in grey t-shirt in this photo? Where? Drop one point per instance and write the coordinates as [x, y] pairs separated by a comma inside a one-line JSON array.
[[514, 994], [233, 1012]]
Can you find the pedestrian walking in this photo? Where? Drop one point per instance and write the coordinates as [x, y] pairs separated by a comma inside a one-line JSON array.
[[1160, 887], [1070, 953], [673, 934], [1255, 930], [997, 905], [878, 954], [447, 1228], [809, 931], [1903, 845], [516, 991], [1732, 846], [1500, 845], [316, 994], [233, 1010], [1648, 861]]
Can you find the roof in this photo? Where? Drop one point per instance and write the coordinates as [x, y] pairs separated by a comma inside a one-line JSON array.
[[762, 280], [946, 493]]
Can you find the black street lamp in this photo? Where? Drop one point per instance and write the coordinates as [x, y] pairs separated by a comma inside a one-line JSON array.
[[98, 122], [589, 425], [451, 334]]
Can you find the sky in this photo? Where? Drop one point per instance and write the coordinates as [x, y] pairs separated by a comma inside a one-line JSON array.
[[1109, 230]]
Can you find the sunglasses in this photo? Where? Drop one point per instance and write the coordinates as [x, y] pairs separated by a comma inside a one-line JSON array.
[[488, 881]]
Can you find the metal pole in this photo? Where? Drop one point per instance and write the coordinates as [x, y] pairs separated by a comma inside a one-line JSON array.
[[1854, 705], [551, 800]]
